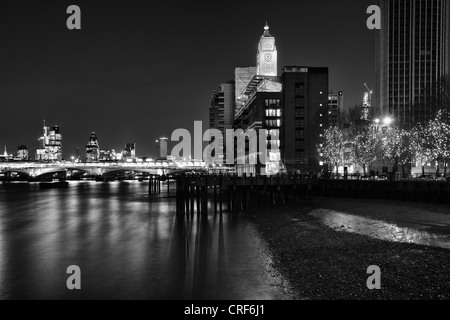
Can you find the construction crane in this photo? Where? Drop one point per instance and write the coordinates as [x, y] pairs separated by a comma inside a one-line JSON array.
[[370, 93]]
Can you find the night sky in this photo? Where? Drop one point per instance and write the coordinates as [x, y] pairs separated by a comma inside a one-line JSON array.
[[141, 69]]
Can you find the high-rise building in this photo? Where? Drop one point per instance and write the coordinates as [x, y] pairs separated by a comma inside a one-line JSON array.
[[412, 57], [40, 153], [50, 148], [262, 111], [54, 144], [305, 117], [335, 108], [22, 153], [109, 155], [256, 90], [221, 113], [266, 65], [298, 108], [130, 151], [295, 105], [92, 149], [161, 145]]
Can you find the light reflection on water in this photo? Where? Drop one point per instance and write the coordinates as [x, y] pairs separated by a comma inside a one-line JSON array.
[[380, 229], [126, 246]]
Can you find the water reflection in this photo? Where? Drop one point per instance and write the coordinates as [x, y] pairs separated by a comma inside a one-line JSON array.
[[126, 246], [380, 229]]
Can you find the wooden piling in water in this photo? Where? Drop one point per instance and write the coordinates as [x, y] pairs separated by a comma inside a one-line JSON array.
[[150, 185], [198, 200], [215, 196], [248, 192], [220, 195]]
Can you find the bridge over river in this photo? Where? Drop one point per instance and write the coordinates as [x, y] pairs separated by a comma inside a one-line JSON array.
[[38, 169]]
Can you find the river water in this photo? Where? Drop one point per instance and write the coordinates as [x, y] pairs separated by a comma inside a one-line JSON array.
[[127, 246]]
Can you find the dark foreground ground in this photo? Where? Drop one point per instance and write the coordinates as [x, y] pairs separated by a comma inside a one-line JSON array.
[[321, 263]]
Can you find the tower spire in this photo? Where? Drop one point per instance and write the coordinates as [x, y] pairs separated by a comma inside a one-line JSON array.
[[5, 153], [266, 30], [267, 56]]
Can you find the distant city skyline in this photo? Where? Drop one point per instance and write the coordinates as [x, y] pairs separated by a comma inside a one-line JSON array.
[[138, 72]]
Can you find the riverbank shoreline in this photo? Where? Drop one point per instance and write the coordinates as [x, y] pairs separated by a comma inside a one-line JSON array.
[[321, 263]]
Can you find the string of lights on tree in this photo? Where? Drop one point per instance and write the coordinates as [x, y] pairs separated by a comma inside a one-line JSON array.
[[425, 144]]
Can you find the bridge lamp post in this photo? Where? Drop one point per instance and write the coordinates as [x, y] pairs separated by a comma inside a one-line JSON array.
[[73, 158]]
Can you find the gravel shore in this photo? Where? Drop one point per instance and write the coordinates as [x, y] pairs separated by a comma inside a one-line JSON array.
[[323, 264]]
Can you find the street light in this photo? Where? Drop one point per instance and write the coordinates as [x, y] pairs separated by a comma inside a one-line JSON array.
[[377, 125], [387, 121]]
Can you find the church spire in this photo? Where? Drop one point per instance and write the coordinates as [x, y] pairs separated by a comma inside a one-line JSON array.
[[5, 153]]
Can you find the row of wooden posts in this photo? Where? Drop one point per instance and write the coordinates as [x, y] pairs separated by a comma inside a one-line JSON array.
[[237, 193], [158, 183], [233, 193]]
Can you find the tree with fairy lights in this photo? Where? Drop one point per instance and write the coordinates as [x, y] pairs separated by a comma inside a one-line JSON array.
[[333, 147], [439, 136], [398, 147], [364, 147], [422, 145]]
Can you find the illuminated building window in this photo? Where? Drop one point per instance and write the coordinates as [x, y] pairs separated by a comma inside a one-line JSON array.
[[274, 144], [273, 123], [273, 113], [273, 133], [273, 103]]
